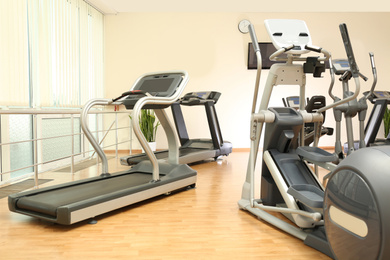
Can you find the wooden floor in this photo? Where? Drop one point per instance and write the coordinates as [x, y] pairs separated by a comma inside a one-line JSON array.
[[202, 223]]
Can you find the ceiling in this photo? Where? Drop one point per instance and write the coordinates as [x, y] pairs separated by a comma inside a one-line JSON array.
[[126, 6]]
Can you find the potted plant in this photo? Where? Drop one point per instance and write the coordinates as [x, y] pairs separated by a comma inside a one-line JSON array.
[[148, 125], [386, 122]]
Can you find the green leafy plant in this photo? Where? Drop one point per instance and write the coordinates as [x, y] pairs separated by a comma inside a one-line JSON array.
[[386, 122], [148, 124]]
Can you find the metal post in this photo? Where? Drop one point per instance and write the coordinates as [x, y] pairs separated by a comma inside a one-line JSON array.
[[131, 137], [1, 153], [35, 142], [72, 156], [116, 135], [97, 133]]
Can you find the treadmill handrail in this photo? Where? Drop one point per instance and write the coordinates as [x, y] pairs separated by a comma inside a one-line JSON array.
[[158, 101], [84, 126], [135, 121]]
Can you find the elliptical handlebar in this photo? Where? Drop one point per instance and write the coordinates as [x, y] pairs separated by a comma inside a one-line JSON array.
[[374, 73], [246, 26], [354, 71], [255, 42], [331, 71], [363, 77], [274, 56], [349, 51], [372, 63], [319, 50]]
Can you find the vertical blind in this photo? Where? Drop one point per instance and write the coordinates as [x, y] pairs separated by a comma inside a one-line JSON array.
[[52, 53], [14, 61]]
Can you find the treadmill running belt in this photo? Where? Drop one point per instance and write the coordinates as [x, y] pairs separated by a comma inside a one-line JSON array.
[[48, 202]]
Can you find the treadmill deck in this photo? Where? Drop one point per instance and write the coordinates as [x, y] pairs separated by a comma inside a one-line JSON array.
[[84, 199]]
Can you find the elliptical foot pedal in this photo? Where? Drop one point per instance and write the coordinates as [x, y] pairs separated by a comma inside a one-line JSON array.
[[315, 154], [309, 195]]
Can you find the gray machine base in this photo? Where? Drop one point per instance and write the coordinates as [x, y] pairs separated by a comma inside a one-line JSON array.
[[198, 150], [79, 200], [318, 240]]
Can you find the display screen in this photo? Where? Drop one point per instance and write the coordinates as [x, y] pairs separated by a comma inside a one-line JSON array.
[[266, 49], [380, 94], [293, 101], [156, 85]]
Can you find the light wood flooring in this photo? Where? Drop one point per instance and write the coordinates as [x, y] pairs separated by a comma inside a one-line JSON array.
[[202, 223]]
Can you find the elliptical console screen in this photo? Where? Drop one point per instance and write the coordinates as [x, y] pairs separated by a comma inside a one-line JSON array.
[[340, 66]]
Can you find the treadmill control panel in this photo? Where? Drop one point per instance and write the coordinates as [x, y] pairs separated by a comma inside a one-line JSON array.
[[195, 98], [160, 85], [378, 95]]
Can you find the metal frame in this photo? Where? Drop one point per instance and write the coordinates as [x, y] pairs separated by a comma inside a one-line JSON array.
[[36, 162], [87, 198], [161, 114], [282, 74]]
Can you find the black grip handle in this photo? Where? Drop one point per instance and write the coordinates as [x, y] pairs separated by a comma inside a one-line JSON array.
[[348, 49], [313, 48], [290, 47], [363, 77], [128, 93]]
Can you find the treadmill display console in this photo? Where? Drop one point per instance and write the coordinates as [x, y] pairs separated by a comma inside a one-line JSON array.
[[381, 94], [193, 98], [164, 85], [378, 95], [153, 85], [159, 85]]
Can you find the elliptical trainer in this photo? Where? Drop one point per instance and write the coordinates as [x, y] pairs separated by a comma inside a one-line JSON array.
[[347, 219], [351, 109]]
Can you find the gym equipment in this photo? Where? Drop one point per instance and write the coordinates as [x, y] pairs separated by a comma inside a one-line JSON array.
[[356, 207], [353, 209], [380, 99], [313, 104], [350, 109], [84, 199], [193, 150]]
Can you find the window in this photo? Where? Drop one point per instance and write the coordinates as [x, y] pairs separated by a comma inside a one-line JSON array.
[[51, 53], [14, 53], [51, 56]]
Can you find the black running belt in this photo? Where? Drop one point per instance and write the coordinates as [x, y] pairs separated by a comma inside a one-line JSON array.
[[48, 202]]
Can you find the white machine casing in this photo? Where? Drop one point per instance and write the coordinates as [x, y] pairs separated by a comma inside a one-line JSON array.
[[285, 33]]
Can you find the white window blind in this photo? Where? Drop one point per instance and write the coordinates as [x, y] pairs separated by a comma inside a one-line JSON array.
[[63, 45], [14, 59]]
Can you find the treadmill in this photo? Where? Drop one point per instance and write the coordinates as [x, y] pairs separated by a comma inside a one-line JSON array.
[[84, 199], [192, 150], [380, 99]]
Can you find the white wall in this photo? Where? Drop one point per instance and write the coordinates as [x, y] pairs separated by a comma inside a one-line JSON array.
[[213, 51]]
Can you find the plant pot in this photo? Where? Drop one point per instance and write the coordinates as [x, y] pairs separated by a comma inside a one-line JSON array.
[[152, 146]]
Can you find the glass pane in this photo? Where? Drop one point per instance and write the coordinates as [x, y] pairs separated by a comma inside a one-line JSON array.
[[21, 154], [59, 147]]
